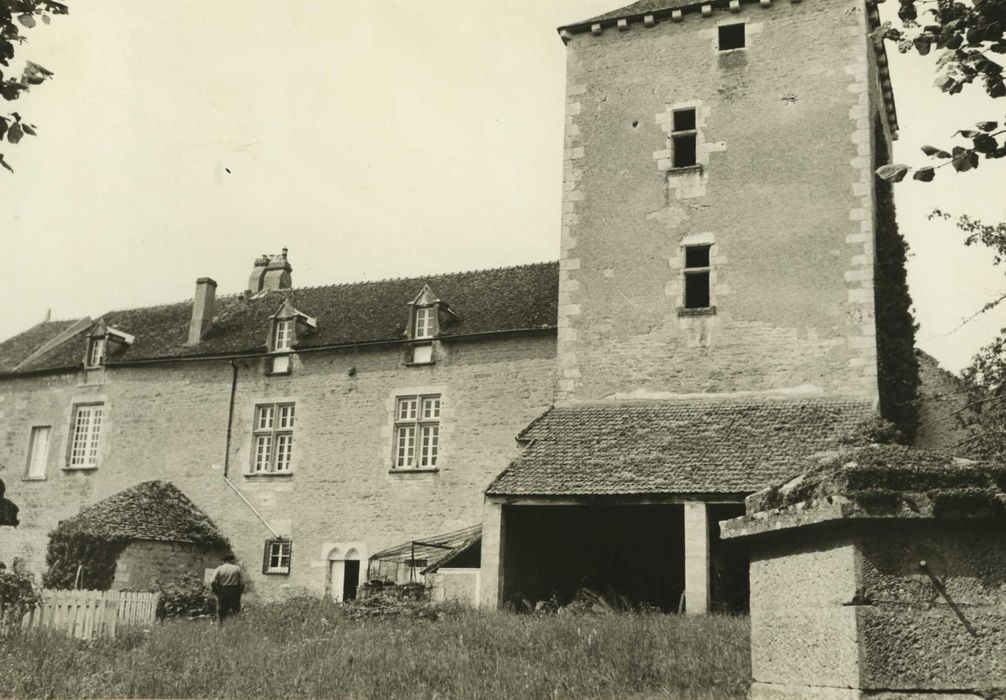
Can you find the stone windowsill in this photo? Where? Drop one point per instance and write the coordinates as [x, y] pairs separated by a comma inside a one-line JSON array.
[[684, 169], [268, 475], [81, 469], [34, 478], [409, 470], [705, 311], [420, 364]]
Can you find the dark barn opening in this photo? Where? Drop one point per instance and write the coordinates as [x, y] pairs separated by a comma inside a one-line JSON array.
[[728, 559], [635, 551]]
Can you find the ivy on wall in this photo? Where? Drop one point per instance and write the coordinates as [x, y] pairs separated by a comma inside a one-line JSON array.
[[72, 549], [897, 365]]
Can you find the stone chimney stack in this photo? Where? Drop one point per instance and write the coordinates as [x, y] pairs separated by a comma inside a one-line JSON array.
[[271, 272], [202, 310], [277, 273], [257, 274]]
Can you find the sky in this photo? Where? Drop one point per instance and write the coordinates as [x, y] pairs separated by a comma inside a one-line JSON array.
[[183, 138]]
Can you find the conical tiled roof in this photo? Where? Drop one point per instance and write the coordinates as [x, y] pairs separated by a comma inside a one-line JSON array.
[[153, 510]]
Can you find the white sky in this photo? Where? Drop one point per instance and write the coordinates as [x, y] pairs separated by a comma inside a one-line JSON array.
[[373, 139]]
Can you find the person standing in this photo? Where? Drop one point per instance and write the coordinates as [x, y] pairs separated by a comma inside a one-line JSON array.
[[228, 585]]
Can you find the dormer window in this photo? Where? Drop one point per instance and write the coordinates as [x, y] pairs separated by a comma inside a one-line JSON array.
[[103, 341], [95, 353], [289, 326], [424, 322], [283, 335]]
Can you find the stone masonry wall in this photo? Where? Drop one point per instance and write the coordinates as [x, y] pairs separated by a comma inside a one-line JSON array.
[[169, 421], [144, 561], [783, 194]]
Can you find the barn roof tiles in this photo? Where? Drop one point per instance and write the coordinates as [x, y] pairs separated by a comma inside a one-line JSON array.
[[674, 446], [485, 301], [152, 510]]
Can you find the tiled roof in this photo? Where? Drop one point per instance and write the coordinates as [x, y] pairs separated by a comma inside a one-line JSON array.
[[674, 446], [153, 510], [17, 349], [503, 299]]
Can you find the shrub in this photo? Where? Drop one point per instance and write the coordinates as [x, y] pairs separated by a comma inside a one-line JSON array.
[[18, 595], [70, 548], [186, 597]]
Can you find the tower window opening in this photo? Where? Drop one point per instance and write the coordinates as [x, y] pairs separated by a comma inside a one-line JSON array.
[[731, 36], [684, 139], [697, 277]]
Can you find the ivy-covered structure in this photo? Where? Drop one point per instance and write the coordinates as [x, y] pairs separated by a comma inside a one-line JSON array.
[[149, 532]]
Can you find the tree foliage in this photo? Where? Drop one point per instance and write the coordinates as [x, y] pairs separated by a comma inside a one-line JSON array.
[[983, 415], [970, 38], [15, 17]]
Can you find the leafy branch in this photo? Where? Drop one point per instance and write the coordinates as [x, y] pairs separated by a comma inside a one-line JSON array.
[[984, 142], [15, 17], [971, 35]]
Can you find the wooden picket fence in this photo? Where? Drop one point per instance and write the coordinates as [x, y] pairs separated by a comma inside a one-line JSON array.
[[91, 614]]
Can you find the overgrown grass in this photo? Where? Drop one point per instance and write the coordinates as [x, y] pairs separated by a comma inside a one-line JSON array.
[[309, 648]]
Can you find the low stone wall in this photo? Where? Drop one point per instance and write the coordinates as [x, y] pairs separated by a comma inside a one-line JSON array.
[[461, 585]]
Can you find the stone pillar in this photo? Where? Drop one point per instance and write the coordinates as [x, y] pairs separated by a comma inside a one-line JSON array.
[[491, 583], [880, 573], [696, 558]]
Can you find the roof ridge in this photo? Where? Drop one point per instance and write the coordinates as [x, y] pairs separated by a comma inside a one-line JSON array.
[[358, 283]]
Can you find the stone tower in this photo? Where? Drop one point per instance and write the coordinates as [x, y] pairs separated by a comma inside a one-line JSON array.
[[718, 200]]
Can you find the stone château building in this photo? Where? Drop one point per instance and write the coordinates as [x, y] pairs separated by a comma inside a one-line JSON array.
[[729, 299]]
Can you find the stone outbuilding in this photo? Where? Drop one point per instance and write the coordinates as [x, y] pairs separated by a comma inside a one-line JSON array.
[[628, 495], [161, 533], [879, 573]]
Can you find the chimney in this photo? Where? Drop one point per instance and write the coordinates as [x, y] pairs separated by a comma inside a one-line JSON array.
[[257, 274], [277, 273], [202, 310]]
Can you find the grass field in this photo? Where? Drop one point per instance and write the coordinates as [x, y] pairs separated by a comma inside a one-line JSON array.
[[309, 648]]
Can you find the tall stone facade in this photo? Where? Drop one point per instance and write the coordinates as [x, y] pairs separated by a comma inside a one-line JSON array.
[[190, 420], [778, 190]]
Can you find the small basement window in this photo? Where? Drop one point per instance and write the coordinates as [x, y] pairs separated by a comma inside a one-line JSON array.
[[731, 36], [684, 139], [697, 272]]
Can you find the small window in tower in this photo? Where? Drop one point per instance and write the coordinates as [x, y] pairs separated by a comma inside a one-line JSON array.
[[697, 269], [731, 37], [683, 139]]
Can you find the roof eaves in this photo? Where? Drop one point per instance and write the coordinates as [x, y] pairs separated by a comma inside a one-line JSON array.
[[657, 14]]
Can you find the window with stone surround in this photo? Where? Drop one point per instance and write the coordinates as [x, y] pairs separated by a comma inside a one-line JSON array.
[[85, 436], [276, 557], [95, 353], [684, 139], [38, 452], [424, 322], [730, 36], [282, 337], [417, 432], [697, 271], [272, 439]]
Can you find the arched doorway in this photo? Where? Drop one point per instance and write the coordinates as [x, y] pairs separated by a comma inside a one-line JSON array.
[[344, 574]]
